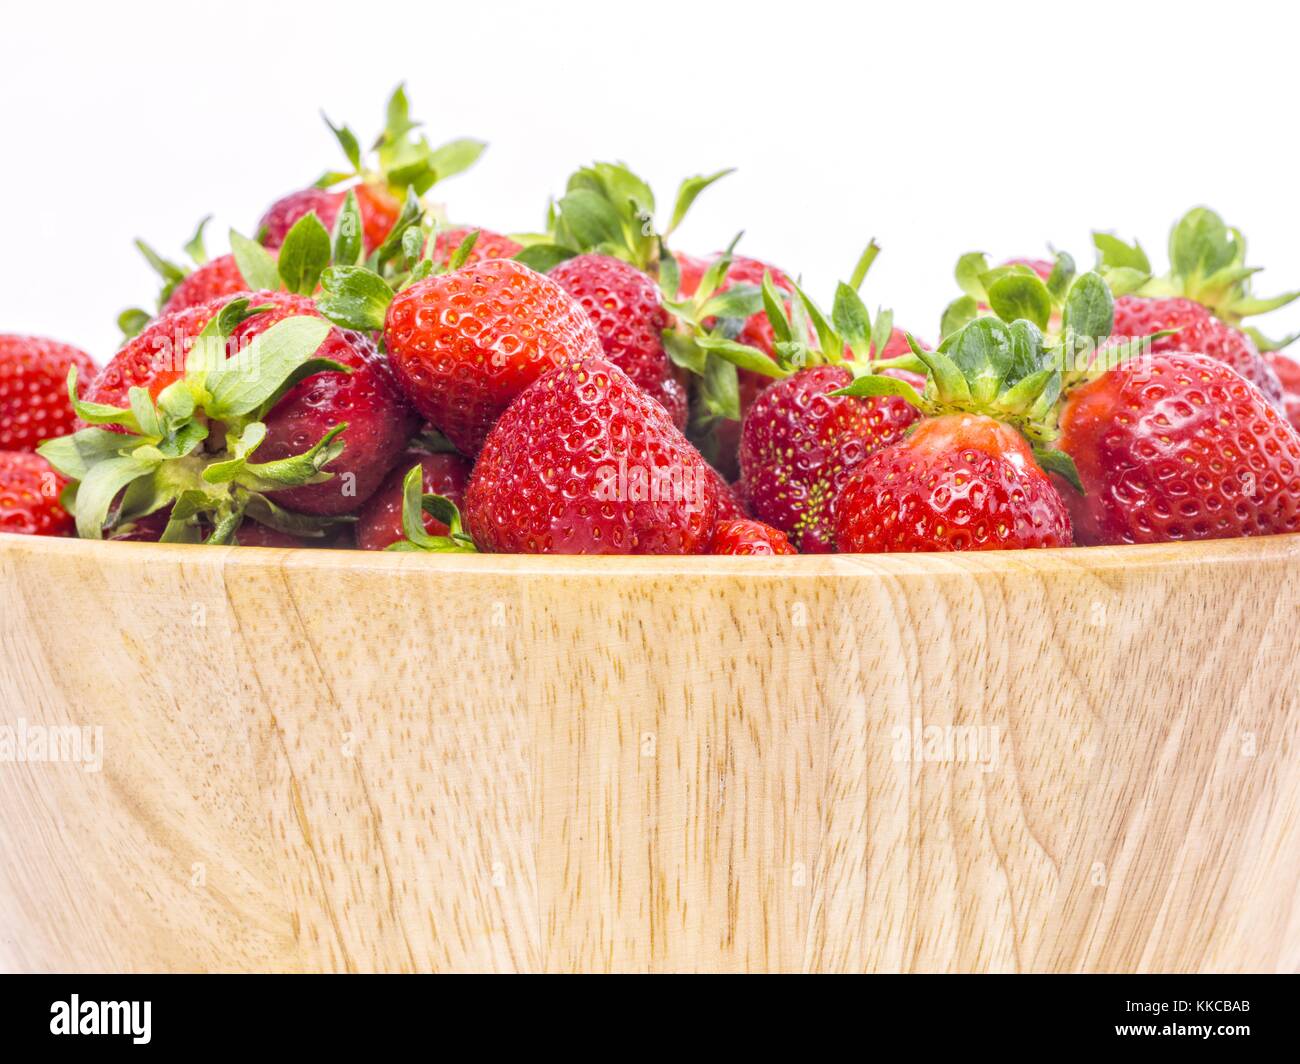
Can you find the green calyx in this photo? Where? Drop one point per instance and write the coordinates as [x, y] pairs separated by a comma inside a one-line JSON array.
[[402, 159], [1207, 263], [804, 335], [357, 296], [1011, 370], [193, 447], [607, 208], [415, 504], [133, 320], [1011, 292]]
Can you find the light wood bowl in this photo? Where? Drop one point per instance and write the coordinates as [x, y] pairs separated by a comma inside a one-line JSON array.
[[317, 760]]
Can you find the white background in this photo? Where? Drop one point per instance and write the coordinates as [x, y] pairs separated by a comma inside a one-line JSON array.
[[938, 128]]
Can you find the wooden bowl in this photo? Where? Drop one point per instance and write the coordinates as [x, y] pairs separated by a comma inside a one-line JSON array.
[[1074, 760]]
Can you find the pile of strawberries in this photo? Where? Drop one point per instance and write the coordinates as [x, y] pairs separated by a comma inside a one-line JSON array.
[[360, 373]]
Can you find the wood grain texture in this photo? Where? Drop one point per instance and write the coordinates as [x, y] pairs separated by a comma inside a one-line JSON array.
[[317, 760]]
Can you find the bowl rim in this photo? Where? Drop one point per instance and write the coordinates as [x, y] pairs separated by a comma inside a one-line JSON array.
[[1284, 549]]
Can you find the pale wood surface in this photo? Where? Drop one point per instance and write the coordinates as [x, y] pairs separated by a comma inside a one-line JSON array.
[[317, 760]]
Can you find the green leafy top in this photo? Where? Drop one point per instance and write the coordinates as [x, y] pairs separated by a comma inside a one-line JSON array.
[[192, 447], [403, 159], [1011, 291], [415, 504], [1207, 263], [609, 209]]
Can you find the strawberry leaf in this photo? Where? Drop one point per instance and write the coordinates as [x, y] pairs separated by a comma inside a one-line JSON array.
[[256, 264], [354, 297], [305, 254]]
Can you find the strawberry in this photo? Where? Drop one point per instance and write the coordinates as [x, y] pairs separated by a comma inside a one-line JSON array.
[[1197, 331], [731, 506], [405, 164], [670, 393], [218, 279], [487, 245], [799, 440], [463, 344], [1179, 447], [183, 422], [974, 475], [584, 462], [749, 538], [29, 496], [625, 307], [379, 524], [958, 482], [1288, 375], [34, 389]]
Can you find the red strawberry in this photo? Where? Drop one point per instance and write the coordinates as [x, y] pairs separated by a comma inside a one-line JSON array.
[[29, 496], [624, 305], [379, 420], [1288, 374], [958, 482], [584, 462], [218, 279], [670, 393], [749, 537], [281, 216], [1199, 331], [1179, 447], [380, 522], [799, 444], [464, 344], [487, 245], [379, 211], [34, 389]]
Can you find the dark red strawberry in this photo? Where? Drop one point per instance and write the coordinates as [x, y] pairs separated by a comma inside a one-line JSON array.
[[625, 307], [29, 496], [464, 344], [285, 212], [1177, 447], [958, 482], [487, 245], [584, 462], [380, 522], [800, 443], [749, 538], [1198, 331], [1288, 374], [218, 279], [731, 507], [34, 389], [670, 393]]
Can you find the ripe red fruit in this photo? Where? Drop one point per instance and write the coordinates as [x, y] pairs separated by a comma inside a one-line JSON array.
[[799, 444], [1288, 374], [958, 482], [281, 216], [1199, 331], [488, 245], [29, 496], [731, 507], [464, 344], [34, 389], [380, 522], [380, 421], [218, 279], [670, 393], [750, 538], [584, 462], [1175, 448], [624, 305], [379, 210]]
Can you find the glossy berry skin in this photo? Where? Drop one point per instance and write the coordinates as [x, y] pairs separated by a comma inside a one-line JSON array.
[[624, 305], [584, 462], [799, 444], [281, 216], [29, 497], [489, 245], [34, 389], [217, 279], [1288, 374], [731, 507], [1184, 448], [380, 421], [671, 394], [464, 344], [958, 482], [750, 538], [379, 523], [379, 210], [1199, 331]]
